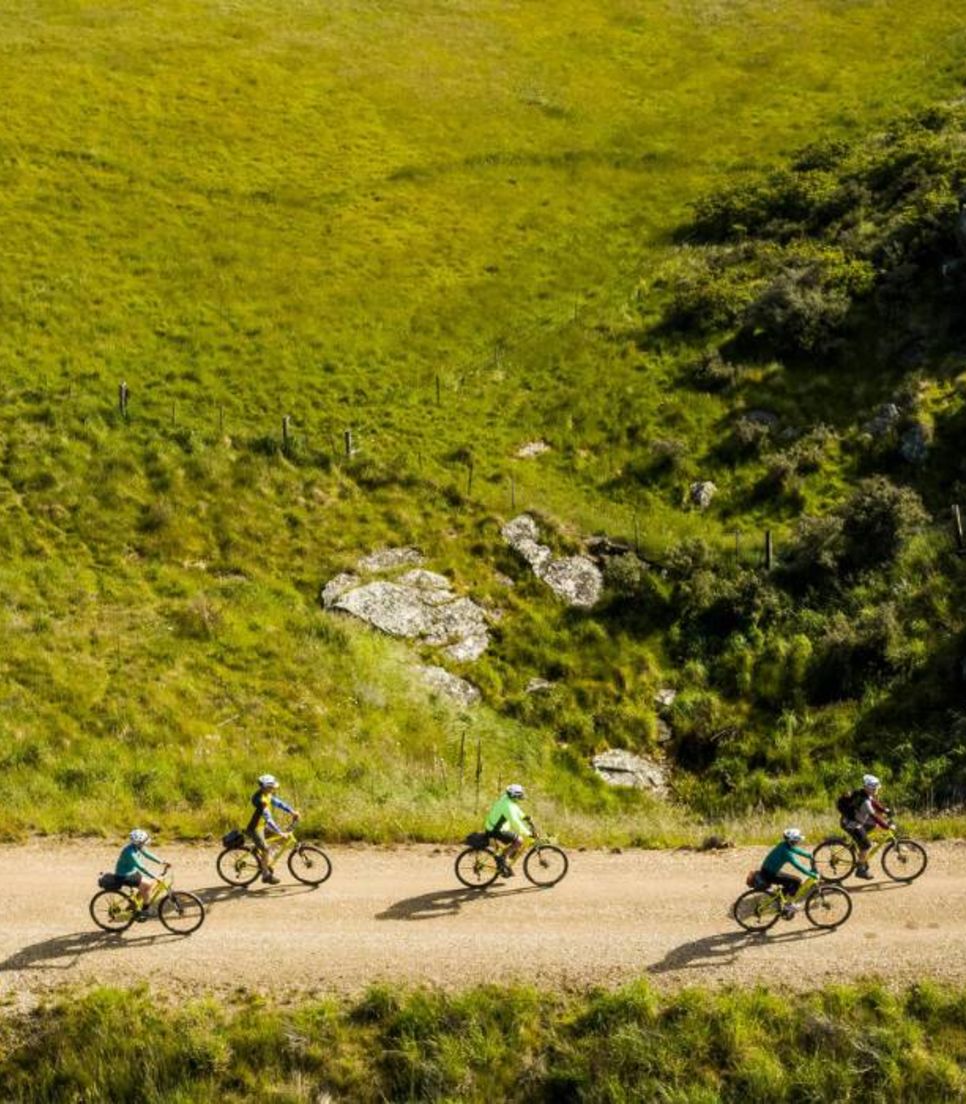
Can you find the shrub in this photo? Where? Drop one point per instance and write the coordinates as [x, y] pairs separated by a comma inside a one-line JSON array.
[[876, 521]]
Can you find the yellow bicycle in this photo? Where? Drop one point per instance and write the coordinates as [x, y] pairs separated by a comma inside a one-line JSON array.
[[481, 863], [239, 865], [903, 859], [116, 907], [826, 906]]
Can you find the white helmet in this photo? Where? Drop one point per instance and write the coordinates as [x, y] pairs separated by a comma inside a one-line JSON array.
[[515, 790], [793, 835], [267, 780], [139, 837], [870, 782]]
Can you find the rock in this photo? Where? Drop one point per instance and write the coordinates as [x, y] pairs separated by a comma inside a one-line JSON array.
[[531, 449], [914, 446], [884, 420], [702, 492], [440, 680], [538, 685], [388, 558], [664, 731], [665, 697], [714, 843], [603, 548], [762, 417], [336, 587], [504, 580], [575, 579], [624, 768]]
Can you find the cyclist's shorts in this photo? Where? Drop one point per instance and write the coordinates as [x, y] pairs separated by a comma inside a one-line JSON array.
[[132, 880], [503, 836], [858, 833]]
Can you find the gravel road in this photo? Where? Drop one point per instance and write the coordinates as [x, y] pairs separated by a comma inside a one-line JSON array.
[[400, 915]]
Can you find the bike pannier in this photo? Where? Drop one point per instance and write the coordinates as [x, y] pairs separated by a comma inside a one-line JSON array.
[[109, 881], [234, 838], [755, 880], [477, 839]]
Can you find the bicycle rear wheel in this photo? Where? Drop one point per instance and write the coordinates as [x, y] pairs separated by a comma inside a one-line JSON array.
[[181, 912], [545, 865], [477, 867], [756, 910], [828, 906], [904, 860], [238, 866], [112, 910], [834, 859], [309, 865]]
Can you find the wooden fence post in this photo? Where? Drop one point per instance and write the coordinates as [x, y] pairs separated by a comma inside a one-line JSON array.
[[768, 550], [479, 771], [437, 389], [347, 437], [958, 530], [286, 431], [122, 397]]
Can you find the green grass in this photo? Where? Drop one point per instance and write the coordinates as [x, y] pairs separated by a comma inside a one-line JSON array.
[[257, 209], [839, 1044]]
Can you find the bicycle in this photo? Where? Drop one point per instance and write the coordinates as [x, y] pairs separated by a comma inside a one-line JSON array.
[[479, 866], [903, 859], [239, 864], [826, 906], [116, 907]]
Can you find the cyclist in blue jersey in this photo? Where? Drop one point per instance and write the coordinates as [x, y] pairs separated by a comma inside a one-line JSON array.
[[129, 870], [786, 853], [261, 828]]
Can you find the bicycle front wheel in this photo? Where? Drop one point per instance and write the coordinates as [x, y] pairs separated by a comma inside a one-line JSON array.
[[834, 860], [904, 860], [181, 912], [112, 910], [756, 910], [309, 865], [545, 865], [477, 867], [828, 906], [238, 866]]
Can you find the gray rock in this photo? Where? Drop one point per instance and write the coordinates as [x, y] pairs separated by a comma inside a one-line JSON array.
[[884, 420], [762, 417], [914, 446], [575, 579], [531, 449], [538, 685], [665, 697], [388, 558], [440, 680], [336, 587], [664, 731], [702, 493], [624, 768]]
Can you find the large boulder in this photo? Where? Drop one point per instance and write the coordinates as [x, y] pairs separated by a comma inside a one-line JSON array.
[[625, 768], [575, 579], [702, 493], [442, 682]]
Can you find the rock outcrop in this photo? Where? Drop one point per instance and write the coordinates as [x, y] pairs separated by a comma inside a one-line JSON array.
[[575, 579], [450, 686], [624, 768]]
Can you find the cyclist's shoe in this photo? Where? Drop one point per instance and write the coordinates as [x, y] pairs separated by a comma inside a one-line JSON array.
[[862, 871], [789, 910], [506, 870], [270, 878], [141, 915]]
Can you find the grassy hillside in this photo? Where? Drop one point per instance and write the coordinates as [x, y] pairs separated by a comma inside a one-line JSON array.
[[339, 213], [845, 1043]]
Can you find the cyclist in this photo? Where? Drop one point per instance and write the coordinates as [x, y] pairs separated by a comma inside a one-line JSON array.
[[786, 853], [508, 823], [129, 871], [264, 800], [862, 813]]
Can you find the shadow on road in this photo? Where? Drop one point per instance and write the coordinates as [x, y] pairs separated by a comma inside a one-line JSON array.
[[724, 948], [64, 951], [216, 894], [876, 887], [445, 902]]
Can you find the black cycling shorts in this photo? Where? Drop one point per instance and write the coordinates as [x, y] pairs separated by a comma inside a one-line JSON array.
[[503, 836], [858, 833], [132, 880]]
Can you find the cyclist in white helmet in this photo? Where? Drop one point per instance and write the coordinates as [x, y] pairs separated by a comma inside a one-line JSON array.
[[786, 853], [509, 824], [261, 828], [861, 813], [129, 870]]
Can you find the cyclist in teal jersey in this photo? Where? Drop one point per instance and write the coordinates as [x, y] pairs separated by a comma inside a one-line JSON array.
[[786, 853], [129, 870]]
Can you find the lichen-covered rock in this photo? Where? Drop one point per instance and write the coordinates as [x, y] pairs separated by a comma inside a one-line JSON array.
[[702, 493], [883, 421], [336, 587], [575, 579], [440, 680], [531, 449], [624, 768], [664, 698], [538, 686], [387, 559], [914, 446]]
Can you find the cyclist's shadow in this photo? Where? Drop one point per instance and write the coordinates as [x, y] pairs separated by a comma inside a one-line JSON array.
[[724, 949], [217, 894], [445, 902], [64, 951]]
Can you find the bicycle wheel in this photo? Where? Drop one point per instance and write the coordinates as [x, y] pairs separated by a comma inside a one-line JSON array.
[[477, 867], [181, 913], [112, 910], [904, 860], [828, 906], [238, 866], [834, 860], [545, 864], [309, 865], [756, 910]]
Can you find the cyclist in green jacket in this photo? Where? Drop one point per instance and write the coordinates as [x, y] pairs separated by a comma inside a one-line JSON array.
[[786, 853], [129, 870], [509, 824]]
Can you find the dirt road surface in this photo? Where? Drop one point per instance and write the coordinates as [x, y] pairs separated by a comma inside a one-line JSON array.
[[400, 915]]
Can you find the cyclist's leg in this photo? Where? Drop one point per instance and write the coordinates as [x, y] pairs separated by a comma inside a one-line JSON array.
[[862, 843], [510, 850], [257, 839]]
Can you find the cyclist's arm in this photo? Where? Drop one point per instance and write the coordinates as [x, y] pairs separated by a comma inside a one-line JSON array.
[[808, 871], [869, 809], [278, 803], [151, 858]]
